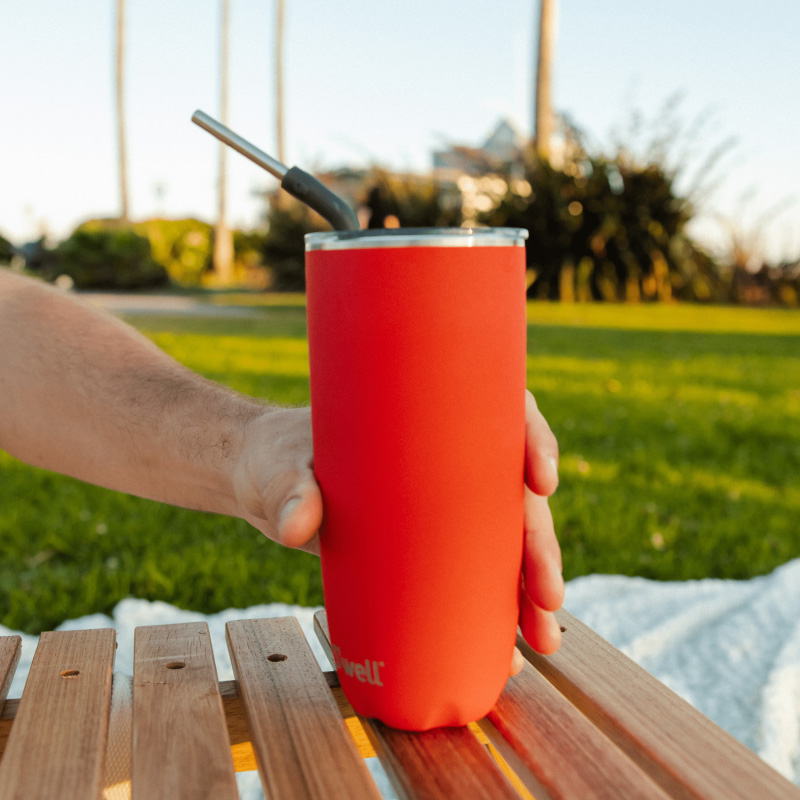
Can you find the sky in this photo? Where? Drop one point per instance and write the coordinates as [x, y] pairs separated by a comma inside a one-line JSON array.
[[388, 83]]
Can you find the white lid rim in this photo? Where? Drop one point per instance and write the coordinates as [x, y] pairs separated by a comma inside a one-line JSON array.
[[416, 237]]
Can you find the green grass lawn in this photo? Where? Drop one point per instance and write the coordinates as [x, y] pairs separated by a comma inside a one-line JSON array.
[[679, 429]]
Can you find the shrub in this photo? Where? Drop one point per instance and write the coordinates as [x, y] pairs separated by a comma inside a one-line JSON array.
[[181, 246], [415, 202], [288, 221], [116, 258], [7, 251], [610, 229], [184, 247]]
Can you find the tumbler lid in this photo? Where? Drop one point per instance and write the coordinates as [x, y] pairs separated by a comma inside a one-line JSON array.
[[416, 237]]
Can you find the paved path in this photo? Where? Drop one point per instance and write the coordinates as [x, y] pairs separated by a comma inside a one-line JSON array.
[[133, 303]]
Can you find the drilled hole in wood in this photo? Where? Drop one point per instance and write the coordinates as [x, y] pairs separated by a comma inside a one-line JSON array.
[[563, 629], [277, 657], [70, 673], [176, 665]]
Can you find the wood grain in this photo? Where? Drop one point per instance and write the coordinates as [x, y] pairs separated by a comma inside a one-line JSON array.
[[351, 719], [180, 739], [441, 763], [10, 651], [244, 758], [7, 717], [302, 745], [556, 751], [681, 749], [56, 747]]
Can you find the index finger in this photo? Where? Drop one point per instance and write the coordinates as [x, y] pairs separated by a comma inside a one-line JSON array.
[[541, 451]]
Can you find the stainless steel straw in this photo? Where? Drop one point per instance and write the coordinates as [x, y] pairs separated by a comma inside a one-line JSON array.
[[294, 180]]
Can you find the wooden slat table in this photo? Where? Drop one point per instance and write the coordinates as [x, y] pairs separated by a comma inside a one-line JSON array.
[[586, 723]]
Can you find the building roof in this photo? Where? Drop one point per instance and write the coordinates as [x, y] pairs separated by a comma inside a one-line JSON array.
[[504, 145]]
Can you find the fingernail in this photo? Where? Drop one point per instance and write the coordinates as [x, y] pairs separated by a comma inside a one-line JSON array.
[[553, 466], [286, 512]]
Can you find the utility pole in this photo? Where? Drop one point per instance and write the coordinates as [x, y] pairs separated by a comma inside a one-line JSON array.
[[543, 115], [223, 237], [120, 86]]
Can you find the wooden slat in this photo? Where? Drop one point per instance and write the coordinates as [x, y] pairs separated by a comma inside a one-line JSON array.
[[180, 740], [7, 717], [442, 763], [10, 650], [556, 751], [57, 744], [683, 750], [244, 759], [512, 776], [302, 745], [351, 719], [239, 728], [439, 763]]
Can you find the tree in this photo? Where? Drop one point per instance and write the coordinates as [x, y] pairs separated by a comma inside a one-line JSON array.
[[223, 237], [605, 229], [122, 164], [543, 117], [279, 123]]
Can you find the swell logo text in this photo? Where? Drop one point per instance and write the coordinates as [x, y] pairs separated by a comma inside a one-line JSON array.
[[366, 672]]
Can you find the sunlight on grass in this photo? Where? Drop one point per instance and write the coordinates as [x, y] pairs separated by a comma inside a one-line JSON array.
[[259, 299], [679, 431], [638, 389], [667, 317], [237, 354], [737, 488], [573, 466]]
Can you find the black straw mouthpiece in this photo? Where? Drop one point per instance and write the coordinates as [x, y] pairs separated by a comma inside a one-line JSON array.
[[307, 189]]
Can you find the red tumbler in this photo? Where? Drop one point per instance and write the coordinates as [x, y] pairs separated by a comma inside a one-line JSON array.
[[417, 341]]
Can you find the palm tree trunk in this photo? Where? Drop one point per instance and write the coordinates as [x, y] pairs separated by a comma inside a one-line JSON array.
[[223, 237], [122, 153], [543, 121], [279, 82]]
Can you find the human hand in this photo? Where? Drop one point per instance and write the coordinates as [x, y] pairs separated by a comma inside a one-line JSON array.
[[275, 486], [274, 479], [541, 584]]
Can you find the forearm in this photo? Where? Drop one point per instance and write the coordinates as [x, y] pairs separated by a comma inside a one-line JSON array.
[[85, 395]]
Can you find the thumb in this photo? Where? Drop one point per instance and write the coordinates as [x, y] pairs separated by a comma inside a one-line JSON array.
[[300, 516]]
